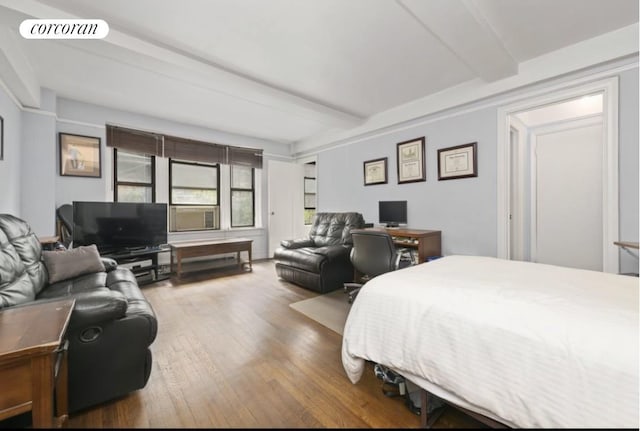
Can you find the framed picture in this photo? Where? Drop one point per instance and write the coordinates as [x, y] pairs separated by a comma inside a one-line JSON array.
[[79, 156], [1, 138], [457, 162], [411, 164], [375, 172]]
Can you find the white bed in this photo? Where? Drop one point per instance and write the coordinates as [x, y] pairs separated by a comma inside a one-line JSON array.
[[528, 345]]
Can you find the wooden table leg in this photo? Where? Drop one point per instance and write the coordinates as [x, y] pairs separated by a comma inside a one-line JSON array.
[[62, 391], [42, 386], [250, 265], [179, 263]]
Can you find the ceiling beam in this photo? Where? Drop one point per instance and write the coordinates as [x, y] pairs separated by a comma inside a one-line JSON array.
[[471, 39], [186, 67], [16, 71]]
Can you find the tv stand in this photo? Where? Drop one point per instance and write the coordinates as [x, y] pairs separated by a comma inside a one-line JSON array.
[[392, 225], [143, 262]]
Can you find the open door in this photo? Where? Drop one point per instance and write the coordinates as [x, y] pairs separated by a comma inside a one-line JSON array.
[[285, 182]]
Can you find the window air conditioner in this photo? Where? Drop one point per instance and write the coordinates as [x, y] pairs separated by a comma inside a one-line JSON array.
[[185, 218]]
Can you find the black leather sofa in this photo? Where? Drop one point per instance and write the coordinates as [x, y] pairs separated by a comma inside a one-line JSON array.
[[321, 261], [111, 327]]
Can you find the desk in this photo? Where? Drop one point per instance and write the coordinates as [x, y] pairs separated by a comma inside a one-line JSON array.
[[48, 242], [208, 247], [426, 242], [33, 356]]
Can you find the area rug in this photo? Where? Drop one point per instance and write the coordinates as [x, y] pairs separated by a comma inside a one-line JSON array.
[[329, 310]]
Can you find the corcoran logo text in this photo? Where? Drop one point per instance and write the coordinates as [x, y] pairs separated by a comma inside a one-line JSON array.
[[64, 29]]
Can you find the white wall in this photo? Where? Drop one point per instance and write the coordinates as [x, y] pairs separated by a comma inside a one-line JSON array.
[[628, 165], [10, 166], [463, 209]]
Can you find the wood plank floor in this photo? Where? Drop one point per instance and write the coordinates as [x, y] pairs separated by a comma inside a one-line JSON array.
[[231, 353]]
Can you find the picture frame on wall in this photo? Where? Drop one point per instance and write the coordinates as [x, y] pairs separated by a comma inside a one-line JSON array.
[[456, 162], [375, 171], [79, 156], [411, 161]]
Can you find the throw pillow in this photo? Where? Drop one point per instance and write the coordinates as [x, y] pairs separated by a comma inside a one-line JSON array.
[[62, 265]]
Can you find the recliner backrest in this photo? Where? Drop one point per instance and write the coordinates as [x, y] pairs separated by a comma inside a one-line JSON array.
[[333, 228], [373, 252], [22, 272]]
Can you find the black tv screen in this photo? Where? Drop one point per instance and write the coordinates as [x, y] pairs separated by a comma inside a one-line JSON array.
[[392, 213], [119, 226]]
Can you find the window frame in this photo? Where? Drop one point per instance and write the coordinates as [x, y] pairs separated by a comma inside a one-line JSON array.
[[117, 183], [253, 196], [208, 165]]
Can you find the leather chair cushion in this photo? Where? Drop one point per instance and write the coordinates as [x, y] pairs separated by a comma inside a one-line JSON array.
[[66, 264], [304, 258]]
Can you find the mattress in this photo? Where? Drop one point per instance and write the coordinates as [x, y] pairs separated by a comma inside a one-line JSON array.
[[528, 344]]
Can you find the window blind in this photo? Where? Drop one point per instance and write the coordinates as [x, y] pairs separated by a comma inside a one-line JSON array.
[[135, 141], [245, 157], [181, 148], [195, 151]]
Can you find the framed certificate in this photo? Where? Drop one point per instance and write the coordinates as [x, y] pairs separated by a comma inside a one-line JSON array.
[[411, 164], [375, 172], [457, 162]]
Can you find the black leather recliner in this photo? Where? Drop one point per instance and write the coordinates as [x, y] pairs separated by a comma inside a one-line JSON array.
[[111, 327], [321, 261]]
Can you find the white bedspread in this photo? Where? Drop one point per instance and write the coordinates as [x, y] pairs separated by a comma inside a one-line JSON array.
[[535, 345]]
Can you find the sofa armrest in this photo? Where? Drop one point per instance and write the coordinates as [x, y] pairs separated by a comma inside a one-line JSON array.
[[95, 307], [109, 264], [334, 252], [297, 243]]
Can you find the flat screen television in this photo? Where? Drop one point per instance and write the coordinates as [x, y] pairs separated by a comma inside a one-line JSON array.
[[392, 213], [119, 226]]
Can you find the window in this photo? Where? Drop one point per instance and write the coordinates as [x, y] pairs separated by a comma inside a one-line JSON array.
[[194, 196], [309, 192], [242, 196], [134, 177]]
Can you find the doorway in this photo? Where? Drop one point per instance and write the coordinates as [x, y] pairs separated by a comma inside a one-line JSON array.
[[557, 158]]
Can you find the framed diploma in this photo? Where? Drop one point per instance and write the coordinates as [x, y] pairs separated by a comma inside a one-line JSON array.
[[411, 164], [457, 162], [375, 172]]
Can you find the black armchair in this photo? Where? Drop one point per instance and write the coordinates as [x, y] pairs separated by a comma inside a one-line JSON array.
[[321, 261], [112, 324]]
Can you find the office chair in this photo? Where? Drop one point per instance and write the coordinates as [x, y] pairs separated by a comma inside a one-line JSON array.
[[373, 253], [64, 214]]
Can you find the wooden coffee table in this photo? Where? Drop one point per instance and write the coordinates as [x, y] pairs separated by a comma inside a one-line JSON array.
[[33, 362], [207, 248]]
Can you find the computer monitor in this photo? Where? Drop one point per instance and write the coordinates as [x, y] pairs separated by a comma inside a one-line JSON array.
[[392, 213]]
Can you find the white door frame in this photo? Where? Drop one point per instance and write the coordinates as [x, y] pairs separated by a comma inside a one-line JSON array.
[[516, 210], [536, 99]]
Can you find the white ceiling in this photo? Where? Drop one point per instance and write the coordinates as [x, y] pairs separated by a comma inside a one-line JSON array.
[[290, 70]]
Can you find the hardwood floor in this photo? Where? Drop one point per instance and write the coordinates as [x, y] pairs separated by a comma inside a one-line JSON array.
[[231, 353]]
